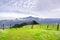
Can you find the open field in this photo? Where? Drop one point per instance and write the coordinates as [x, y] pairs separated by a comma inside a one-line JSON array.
[[43, 26], [39, 32]]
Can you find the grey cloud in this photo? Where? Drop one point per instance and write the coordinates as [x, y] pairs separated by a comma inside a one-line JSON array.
[[17, 4], [37, 7], [43, 5]]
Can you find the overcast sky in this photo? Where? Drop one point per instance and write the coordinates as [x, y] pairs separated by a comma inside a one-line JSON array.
[[22, 8]]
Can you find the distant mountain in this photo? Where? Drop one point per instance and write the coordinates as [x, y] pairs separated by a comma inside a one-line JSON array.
[[28, 19]]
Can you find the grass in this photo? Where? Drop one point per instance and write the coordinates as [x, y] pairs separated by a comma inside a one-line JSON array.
[[39, 32]]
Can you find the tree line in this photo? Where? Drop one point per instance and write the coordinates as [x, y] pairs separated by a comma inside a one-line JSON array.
[[28, 23], [25, 23]]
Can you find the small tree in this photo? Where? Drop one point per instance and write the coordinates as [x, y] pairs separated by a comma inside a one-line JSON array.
[[10, 25], [34, 22], [57, 26], [47, 26], [3, 26]]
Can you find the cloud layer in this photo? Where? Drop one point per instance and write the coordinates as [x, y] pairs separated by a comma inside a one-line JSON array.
[[40, 8]]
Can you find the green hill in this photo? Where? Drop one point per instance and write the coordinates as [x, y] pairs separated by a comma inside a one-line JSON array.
[[39, 32]]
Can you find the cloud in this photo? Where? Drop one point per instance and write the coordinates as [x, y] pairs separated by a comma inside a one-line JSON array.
[[11, 15], [18, 5], [44, 5], [39, 8], [15, 15]]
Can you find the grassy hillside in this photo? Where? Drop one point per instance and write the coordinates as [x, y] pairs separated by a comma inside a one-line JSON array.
[[43, 26], [39, 32]]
